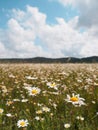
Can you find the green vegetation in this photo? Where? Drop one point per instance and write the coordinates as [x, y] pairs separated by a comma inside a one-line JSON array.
[[48, 96]]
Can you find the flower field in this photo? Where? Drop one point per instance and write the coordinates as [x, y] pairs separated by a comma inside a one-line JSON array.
[[48, 96]]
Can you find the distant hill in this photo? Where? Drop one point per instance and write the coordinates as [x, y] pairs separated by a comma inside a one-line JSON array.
[[93, 59]]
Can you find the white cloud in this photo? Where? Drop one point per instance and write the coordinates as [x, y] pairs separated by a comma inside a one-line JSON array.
[[2, 50], [59, 40], [66, 2], [88, 11]]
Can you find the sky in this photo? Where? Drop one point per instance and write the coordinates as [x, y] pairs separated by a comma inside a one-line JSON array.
[[48, 28]]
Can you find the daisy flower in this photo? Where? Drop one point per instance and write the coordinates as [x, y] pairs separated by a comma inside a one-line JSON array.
[[45, 109], [24, 100], [22, 123], [1, 110], [9, 103], [34, 91], [29, 77], [9, 115], [16, 100], [39, 112], [75, 100], [52, 85], [67, 125], [37, 118], [80, 118]]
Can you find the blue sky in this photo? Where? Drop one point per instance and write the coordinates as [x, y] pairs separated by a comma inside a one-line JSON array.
[[52, 9], [49, 28]]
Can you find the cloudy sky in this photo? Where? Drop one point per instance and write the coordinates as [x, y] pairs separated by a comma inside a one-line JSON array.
[[48, 28]]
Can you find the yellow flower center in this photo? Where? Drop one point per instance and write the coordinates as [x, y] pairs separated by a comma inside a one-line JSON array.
[[39, 112], [34, 91], [74, 99], [10, 102], [53, 85], [22, 123]]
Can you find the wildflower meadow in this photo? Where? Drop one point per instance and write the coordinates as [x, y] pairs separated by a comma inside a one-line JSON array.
[[48, 96]]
